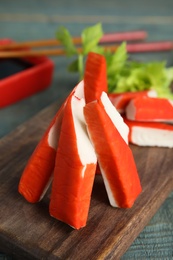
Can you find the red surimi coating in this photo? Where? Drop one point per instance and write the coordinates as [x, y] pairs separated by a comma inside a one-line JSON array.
[[74, 168], [115, 158], [150, 109], [37, 174], [121, 100], [95, 79]]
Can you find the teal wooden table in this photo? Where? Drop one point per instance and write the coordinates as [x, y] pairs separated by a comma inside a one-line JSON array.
[[34, 19]]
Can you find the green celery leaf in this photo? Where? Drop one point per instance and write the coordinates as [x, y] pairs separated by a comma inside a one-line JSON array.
[[164, 89], [123, 74], [73, 67], [77, 66], [116, 60], [126, 75], [169, 75], [81, 65], [91, 37], [65, 38]]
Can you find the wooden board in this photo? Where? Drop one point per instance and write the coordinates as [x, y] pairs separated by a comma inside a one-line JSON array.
[[28, 232]]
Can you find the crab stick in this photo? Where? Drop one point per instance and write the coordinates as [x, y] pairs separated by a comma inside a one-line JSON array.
[[117, 120], [37, 175], [121, 100], [115, 158], [150, 109], [150, 133], [95, 78], [75, 168]]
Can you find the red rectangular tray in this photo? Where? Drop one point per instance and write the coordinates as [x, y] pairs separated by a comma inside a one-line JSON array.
[[26, 82]]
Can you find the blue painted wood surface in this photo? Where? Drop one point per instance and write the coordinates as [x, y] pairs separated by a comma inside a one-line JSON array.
[[39, 19]]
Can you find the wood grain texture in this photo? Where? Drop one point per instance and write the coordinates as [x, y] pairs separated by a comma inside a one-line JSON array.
[[28, 232]]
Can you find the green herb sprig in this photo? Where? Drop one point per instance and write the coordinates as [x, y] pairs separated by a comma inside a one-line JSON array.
[[123, 74], [90, 38]]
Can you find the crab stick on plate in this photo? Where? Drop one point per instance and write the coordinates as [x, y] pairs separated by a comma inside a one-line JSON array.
[[121, 100], [150, 133], [37, 175], [75, 168], [115, 158], [150, 109], [95, 78]]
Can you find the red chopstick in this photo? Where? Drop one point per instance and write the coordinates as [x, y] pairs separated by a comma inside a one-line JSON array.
[[107, 38], [150, 47], [131, 48], [124, 36]]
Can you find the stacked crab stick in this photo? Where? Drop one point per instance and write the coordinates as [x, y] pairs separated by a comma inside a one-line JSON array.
[[150, 133], [115, 158], [78, 166], [74, 168], [94, 85], [121, 100], [85, 131], [149, 118], [38, 173], [150, 109]]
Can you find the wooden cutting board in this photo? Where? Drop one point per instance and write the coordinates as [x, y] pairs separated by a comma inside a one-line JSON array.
[[28, 232]]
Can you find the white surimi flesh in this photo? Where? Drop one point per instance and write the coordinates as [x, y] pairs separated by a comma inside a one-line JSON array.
[[146, 136], [54, 132], [130, 111], [122, 129], [152, 93], [79, 90], [85, 149], [115, 117]]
